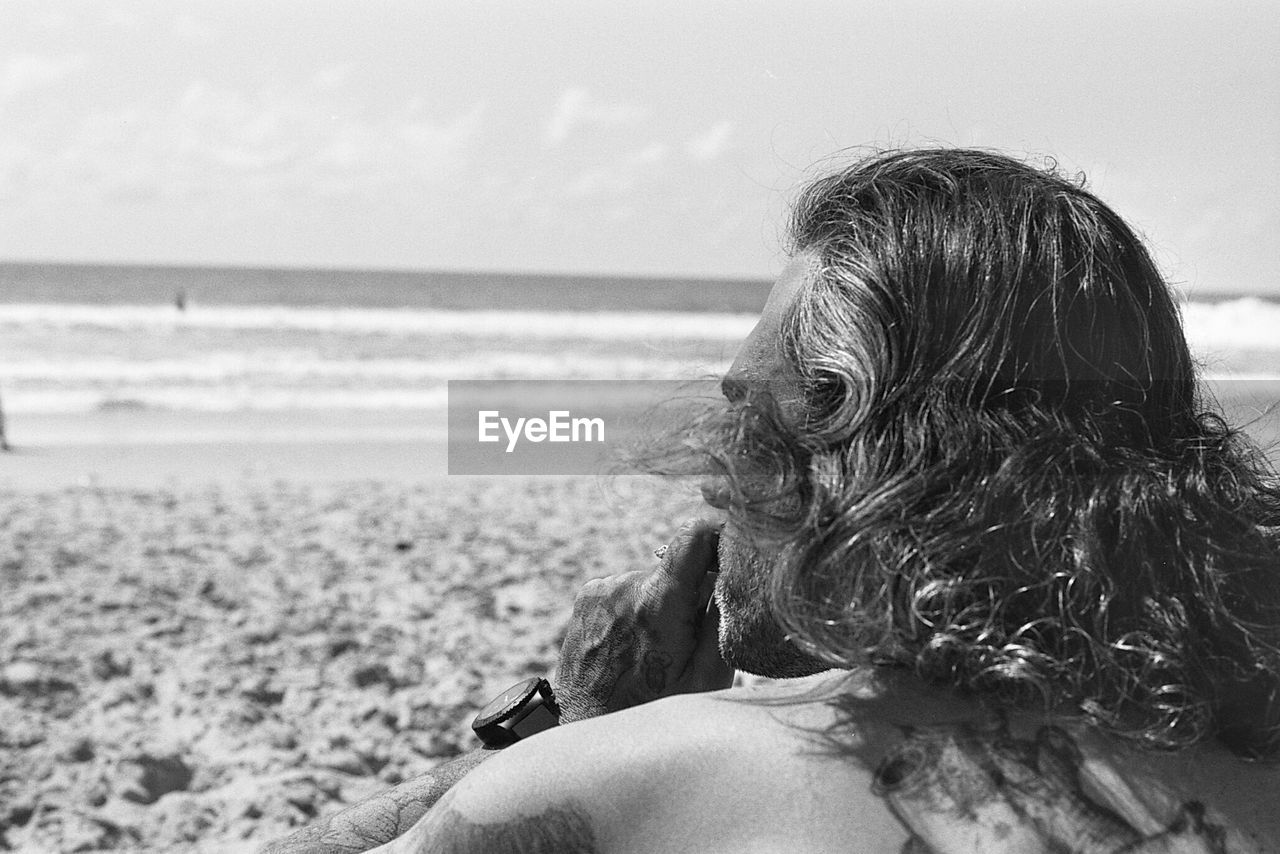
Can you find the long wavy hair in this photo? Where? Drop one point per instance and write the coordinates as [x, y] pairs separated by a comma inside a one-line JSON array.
[[1003, 473]]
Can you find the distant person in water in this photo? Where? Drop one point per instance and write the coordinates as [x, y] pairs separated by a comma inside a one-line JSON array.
[[180, 300], [1023, 585]]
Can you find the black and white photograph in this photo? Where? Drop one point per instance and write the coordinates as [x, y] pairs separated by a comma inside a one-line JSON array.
[[495, 427]]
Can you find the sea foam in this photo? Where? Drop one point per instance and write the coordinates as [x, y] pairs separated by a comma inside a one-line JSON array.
[[1247, 323], [86, 358], [1240, 324], [608, 326]]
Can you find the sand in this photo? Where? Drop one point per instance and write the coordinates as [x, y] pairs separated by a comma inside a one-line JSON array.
[[204, 665], [187, 464], [144, 449]]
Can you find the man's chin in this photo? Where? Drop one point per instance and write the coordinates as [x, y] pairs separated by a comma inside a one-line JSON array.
[[779, 667], [750, 639], [758, 647]]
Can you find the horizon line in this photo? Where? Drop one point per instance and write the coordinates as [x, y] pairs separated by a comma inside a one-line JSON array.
[[389, 271], [1207, 293]]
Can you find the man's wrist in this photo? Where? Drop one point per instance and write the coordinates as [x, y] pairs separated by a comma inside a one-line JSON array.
[[524, 709], [573, 707]]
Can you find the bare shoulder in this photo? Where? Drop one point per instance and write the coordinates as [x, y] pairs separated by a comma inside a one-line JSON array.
[[842, 762], [585, 788], [724, 771], [784, 768]]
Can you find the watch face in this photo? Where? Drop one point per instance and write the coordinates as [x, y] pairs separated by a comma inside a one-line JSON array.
[[534, 721], [507, 701]]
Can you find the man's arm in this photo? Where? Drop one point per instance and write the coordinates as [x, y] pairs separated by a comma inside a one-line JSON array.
[[633, 638], [382, 817], [560, 791], [600, 785]]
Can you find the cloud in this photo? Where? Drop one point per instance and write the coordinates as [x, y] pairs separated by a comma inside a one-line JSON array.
[[295, 143], [131, 21], [30, 72], [272, 146], [227, 129], [618, 178], [576, 108], [50, 19], [711, 143], [653, 153], [192, 30], [333, 76], [599, 182], [432, 149]]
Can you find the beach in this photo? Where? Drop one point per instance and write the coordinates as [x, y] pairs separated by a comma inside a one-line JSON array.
[[141, 449], [239, 588], [205, 667]]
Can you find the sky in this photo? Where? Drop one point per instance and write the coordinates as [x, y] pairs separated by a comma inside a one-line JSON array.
[[652, 138]]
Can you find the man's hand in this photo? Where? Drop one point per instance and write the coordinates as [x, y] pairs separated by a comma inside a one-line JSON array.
[[642, 635], [633, 637]]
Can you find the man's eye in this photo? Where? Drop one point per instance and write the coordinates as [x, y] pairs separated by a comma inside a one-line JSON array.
[[734, 390]]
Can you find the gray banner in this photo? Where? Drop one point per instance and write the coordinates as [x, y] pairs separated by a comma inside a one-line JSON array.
[[562, 427]]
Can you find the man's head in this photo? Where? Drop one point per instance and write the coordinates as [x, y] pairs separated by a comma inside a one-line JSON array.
[[965, 438], [750, 636]]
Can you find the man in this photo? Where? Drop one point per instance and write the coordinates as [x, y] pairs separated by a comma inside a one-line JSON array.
[[963, 463]]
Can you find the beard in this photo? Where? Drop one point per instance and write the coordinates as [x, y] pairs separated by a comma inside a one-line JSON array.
[[750, 638]]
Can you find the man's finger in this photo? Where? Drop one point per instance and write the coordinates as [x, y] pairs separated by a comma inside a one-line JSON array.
[[691, 554], [708, 669], [707, 589], [608, 583]]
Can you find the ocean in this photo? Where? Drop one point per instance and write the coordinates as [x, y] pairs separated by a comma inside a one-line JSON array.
[[137, 285], [100, 339], [80, 340]]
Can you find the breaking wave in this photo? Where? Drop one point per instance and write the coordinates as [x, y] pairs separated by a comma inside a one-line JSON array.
[[608, 326]]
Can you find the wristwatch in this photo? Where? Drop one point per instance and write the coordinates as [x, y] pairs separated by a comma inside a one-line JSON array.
[[518, 712]]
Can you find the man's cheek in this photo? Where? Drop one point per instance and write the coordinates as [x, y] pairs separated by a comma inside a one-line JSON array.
[[733, 582], [726, 598]]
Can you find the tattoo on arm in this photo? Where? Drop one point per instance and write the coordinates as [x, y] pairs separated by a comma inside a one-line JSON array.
[[654, 668], [564, 829], [381, 818]]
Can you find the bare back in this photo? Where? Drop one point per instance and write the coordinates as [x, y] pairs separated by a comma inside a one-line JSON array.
[[915, 772], [751, 771]]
